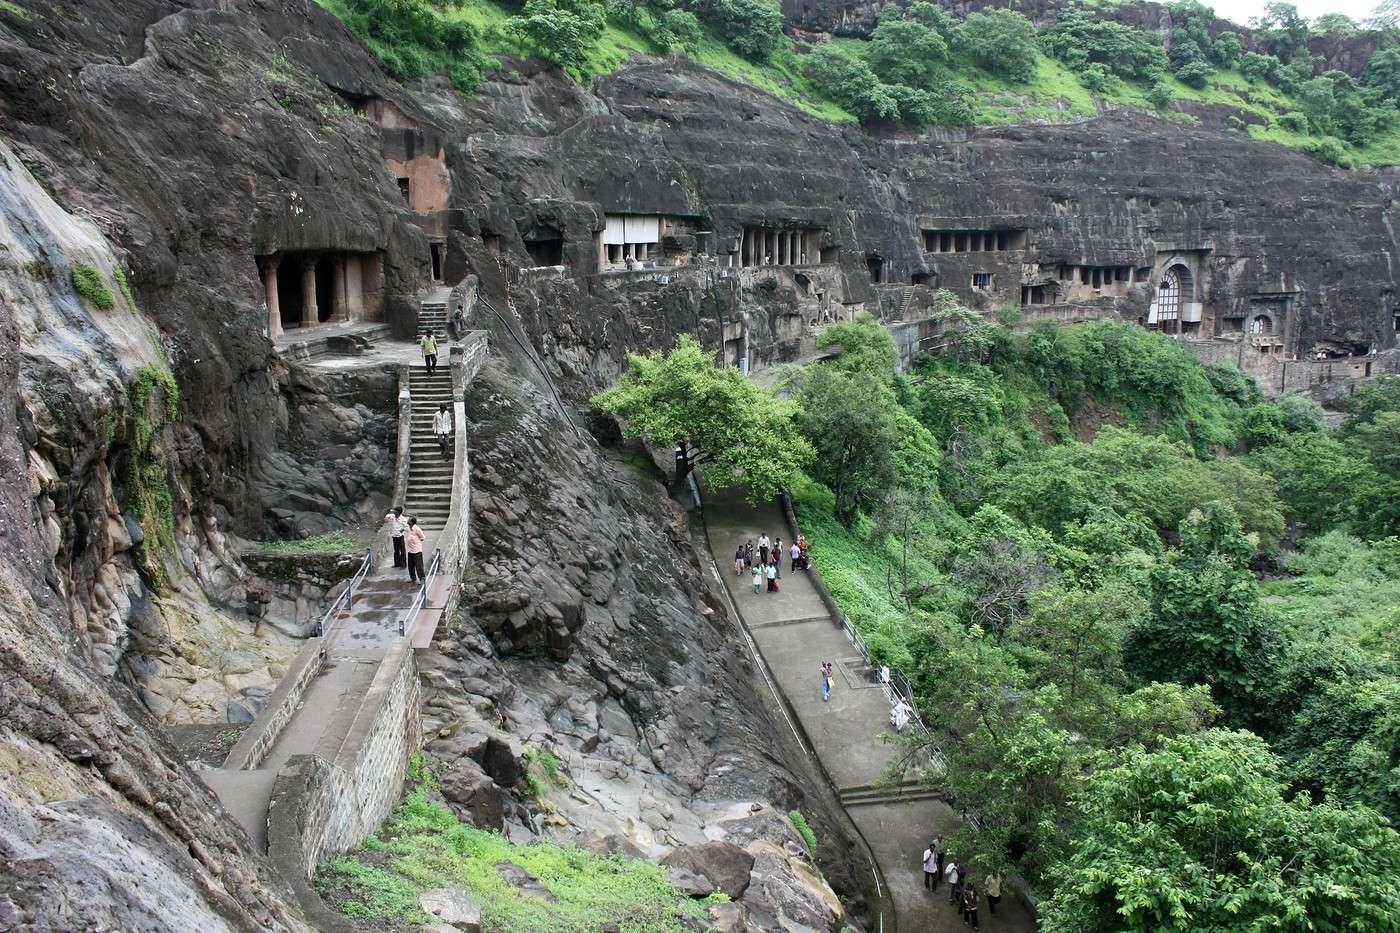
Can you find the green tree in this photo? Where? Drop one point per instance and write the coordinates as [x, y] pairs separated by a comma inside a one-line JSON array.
[[849, 81], [1081, 37], [1281, 30], [905, 51], [753, 28], [1258, 67], [1317, 479], [1195, 73], [848, 418], [1335, 22], [561, 31], [963, 333], [1001, 41], [1199, 836], [1225, 51], [1206, 625], [1383, 72], [728, 425]]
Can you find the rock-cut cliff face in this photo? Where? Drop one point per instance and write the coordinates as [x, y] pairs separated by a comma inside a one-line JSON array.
[[190, 147]]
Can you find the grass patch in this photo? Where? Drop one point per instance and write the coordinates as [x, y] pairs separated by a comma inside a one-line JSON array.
[[423, 846], [155, 404], [13, 10], [124, 286], [87, 281], [329, 542], [781, 76], [809, 838]]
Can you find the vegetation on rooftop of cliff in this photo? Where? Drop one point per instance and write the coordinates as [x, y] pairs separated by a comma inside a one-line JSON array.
[[922, 66], [1059, 536], [424, 846]]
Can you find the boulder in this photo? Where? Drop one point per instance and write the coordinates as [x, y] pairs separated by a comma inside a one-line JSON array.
[[524, 882], [689, 883], [454, 907], [725, 865], [473, 796], [728, 918]]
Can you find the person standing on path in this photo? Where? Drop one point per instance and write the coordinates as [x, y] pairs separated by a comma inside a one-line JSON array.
[[802, 546], [828, 680], [953, 875], [940, 850], [442, 428], [969, 905], [931, 866], [772, 579], [748, 555], [757, 578], [739, 560], [794, 556], [397, 526], [429, 344], [763, 549], [993, 888], [778, 557], [413, 541]]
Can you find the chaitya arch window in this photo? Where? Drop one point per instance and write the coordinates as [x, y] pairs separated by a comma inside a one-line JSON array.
[[1169, 302]]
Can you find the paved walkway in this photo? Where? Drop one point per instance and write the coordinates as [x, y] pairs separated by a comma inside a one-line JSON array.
[[795, 635]]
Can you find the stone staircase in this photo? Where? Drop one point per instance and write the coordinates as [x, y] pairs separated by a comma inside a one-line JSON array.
[[432, 316], [906, 296], [429, 496]]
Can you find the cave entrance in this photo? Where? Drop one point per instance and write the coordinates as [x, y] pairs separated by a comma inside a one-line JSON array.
[[325, 289], [876, 265], [545, 246], [1169, 301], [289, 295], [437, 260]]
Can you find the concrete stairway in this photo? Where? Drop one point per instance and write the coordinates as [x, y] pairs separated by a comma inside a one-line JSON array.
[[432, 316], [429, 472]]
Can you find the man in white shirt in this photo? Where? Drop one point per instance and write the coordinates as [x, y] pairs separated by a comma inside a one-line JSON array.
[[397, 526], [442, 428], [931, 866]]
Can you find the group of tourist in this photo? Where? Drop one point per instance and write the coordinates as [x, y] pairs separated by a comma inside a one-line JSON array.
[[766, 561], [962, 893], [408, 539]]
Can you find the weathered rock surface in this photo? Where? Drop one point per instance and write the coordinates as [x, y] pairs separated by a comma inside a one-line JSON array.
[[725, 864], [453, 907]]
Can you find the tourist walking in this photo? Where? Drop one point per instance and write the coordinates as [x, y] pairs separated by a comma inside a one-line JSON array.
[[828, 680], [397, 526], [942, 850], [748, 554], [442, 428], [992, 886], [953, 875], [778, 557], [900, 715], [794, 556], [931, 866], [413, 542], [757, 577], [738, 560], [772, 579], [763, 549], [969, 905], [802, 546], [429, 344]]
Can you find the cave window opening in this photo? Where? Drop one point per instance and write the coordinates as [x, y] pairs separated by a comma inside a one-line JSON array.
[[1032, 294], [1121, 273], [1261, 324], [830, 254], [981, 280], [1368, 368], [437, 261], [1232, 325], [325, 289], [492, 241], [1169, 302], [921, 278], [404, 186], [1141, 274]]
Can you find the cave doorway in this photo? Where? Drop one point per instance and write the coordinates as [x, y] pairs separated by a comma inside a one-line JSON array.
[[437, 260], [545, 246], [876, 265], [325, 289], [289, 294], [1169, 301], [1262, 324]]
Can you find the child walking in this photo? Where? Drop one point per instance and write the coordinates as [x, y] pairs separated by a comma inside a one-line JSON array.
[[757, 577]]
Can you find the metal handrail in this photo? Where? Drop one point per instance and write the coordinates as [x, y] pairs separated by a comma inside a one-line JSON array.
[[421, 599], [347, 594]]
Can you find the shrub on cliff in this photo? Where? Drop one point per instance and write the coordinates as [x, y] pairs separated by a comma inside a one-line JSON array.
[[1001, 41], [750, 27], [414, 37], [1081, 38], [561, 31], [87, 281]]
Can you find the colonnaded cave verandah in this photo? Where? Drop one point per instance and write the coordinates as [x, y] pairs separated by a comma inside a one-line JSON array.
[[305, 289]]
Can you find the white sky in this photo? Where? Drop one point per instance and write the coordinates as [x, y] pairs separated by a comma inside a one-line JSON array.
[[1241, 10]]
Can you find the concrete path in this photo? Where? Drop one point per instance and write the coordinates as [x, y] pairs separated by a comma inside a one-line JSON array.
[[795, 634]]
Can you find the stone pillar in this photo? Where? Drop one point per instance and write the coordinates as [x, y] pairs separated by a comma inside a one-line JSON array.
[[338, 315], [602, 251], [274, 310], [308, 291], [354, 289]]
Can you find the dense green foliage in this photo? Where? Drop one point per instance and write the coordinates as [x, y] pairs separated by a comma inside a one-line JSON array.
[[416, 37], [155, 405], [424, 846], [562, 31], [1073, 590], [729, 427], [87, 281], [329, 542]]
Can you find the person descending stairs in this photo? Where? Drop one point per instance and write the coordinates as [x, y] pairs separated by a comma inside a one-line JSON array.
[[429, 472]]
